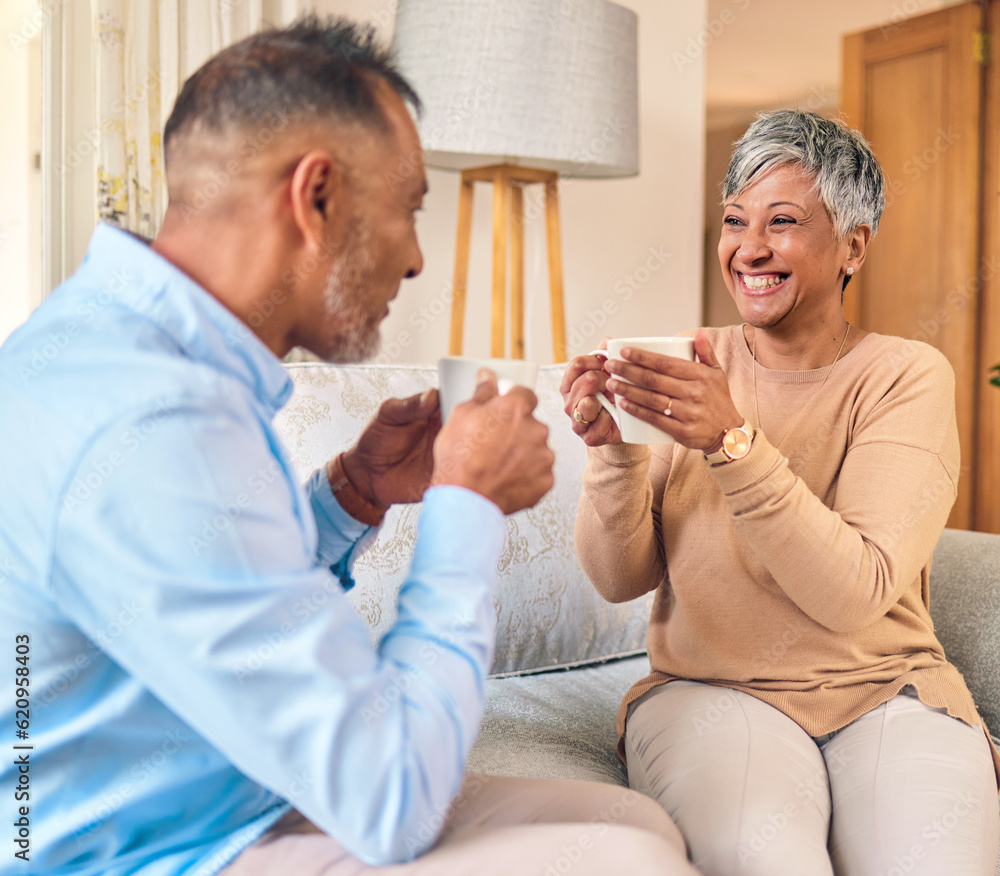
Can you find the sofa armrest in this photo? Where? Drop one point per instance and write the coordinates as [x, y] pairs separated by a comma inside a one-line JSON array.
[[965, 607]]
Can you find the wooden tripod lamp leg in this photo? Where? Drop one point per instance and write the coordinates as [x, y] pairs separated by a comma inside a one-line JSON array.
[[517, 272], [462, 241], [555, 270], [501, 222]]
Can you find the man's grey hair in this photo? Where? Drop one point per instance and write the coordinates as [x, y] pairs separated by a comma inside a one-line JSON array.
[[848, 176], [314, 68]]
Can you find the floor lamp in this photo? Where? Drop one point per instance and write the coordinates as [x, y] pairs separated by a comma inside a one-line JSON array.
[[519, 93]]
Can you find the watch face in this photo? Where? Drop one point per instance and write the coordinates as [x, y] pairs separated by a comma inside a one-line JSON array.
[[736, 443]]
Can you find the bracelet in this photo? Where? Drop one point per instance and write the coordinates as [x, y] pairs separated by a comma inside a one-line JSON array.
[[348, 496]]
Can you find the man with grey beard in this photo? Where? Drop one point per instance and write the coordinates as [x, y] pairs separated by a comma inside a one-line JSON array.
[[136, 404]]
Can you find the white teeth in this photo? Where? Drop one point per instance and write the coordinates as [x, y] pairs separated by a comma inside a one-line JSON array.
[[762, 282]]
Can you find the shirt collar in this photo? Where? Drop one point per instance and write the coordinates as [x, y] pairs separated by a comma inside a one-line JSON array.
[[199, 323]]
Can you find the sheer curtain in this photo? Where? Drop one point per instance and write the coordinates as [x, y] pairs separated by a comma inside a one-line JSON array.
[[144, 50]]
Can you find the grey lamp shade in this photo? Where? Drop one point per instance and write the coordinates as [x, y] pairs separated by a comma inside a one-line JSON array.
[[549, 84]]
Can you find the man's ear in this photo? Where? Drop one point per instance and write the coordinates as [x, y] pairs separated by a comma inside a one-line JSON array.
[[316, 190]]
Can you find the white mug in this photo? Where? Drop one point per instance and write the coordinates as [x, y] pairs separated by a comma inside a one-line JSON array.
[[457, 378], [634, 430]]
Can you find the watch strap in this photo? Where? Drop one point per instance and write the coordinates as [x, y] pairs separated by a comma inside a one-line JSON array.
[[348, 496], [722, 455]]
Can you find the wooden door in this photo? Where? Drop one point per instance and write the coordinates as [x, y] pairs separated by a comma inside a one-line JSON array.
[[988, 411], [915, 89]]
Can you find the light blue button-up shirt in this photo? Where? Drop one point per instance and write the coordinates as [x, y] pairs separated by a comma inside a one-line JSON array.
[[192, 667]]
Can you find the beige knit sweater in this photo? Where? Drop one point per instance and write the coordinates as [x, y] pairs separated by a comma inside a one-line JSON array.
[[798, 574]]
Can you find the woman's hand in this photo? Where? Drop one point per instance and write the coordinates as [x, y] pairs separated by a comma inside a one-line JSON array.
[[695, 393], [583, 378]]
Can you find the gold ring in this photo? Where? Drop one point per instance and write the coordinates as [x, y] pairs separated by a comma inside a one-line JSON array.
[[666, 411], [579, 418]]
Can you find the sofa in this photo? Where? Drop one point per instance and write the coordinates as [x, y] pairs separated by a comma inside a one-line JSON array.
[[564, 656]]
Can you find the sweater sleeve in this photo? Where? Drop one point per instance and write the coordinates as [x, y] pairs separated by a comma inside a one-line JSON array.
[[846, 565], [618, 523]]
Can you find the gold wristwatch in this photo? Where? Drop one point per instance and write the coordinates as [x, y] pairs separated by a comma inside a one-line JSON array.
[[736, 444]]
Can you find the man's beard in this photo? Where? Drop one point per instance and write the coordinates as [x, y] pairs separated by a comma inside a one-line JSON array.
[[354, 329]]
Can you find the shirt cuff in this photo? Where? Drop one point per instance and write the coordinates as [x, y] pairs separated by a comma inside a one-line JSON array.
[[621, 454], [342, 539]]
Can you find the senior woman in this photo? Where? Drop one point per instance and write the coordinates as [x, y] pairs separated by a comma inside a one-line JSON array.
[[801, 716]]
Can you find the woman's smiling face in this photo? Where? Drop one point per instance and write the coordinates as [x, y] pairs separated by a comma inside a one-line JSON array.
[[779, 252]]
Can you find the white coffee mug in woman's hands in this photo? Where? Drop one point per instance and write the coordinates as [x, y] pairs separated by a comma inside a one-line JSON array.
[[633, 430]]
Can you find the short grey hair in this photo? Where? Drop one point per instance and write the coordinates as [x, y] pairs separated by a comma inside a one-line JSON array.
[[315, 67], [848, 176]]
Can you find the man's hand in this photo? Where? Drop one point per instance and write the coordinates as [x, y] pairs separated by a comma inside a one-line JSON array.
[[493, 445], [394, 457]]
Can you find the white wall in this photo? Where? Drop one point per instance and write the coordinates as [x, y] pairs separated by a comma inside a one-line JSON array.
[[20, 28], [23, 240], [645, 232], [638, 239]]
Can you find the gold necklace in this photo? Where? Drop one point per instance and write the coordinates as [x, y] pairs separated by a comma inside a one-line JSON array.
[[756, 403]]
